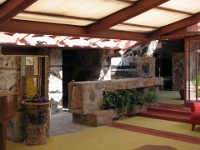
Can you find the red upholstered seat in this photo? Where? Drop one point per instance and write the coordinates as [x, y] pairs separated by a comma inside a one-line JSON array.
[[195, 114]]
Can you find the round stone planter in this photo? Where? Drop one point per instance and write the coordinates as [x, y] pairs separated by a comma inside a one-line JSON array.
[[37, 122]]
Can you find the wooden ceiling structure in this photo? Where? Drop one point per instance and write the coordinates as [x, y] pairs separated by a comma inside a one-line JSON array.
[[111, 24]]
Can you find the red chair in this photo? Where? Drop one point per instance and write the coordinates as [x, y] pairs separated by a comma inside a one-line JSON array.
[[195, 114]]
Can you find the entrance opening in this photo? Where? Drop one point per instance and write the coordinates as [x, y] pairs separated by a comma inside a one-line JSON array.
[[80, 65]]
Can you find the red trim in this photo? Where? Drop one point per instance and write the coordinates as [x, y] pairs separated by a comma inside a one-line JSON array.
[[175, 136]]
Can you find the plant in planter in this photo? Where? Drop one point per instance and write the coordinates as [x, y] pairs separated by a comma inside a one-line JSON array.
[[127, 103], [126, 100], [110, 100], [121, 99], [150, 97], [138, 98]]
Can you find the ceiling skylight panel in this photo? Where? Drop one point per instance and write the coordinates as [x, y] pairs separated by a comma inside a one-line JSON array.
[[190, 6], [123, 27], [156, 18], [2, 1], [40, 6], [105, 9], [49, 19]]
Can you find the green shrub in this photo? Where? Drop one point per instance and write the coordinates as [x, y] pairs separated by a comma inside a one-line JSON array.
[[126, 99]]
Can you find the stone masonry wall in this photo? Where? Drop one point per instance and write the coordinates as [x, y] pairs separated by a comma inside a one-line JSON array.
[[177, 71], [85, 97], [10, 81]]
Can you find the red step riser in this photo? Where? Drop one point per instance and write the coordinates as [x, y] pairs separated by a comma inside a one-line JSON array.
[[169, 111], [165, 117]]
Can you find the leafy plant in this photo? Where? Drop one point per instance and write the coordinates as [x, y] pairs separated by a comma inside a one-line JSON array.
[[138, 98], [126, 99], [109, 100], [150, 97]]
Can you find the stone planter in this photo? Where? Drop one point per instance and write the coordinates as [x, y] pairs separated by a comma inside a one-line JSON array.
[[37, 123], [139, 108]]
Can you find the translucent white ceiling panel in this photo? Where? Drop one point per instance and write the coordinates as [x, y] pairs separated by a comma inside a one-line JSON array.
[[157, 18], [50, 19], [191, 6], [80, 8], [123, 27], [2, 1]]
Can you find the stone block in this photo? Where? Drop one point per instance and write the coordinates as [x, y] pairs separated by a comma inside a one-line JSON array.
[[98, 118], [114, 113]]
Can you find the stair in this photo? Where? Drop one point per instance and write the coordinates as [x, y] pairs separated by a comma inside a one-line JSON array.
[[170, 112]]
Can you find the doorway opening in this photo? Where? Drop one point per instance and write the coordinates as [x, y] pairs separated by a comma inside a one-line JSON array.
[[80, 65]]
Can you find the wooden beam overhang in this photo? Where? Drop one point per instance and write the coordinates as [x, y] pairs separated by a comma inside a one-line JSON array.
[[123, 15], [11, 8], [66, 30], [175, 26]]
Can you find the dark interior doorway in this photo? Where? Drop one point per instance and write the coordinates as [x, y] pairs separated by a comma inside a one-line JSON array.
[[80, 65], [167, 73], [68, 67]]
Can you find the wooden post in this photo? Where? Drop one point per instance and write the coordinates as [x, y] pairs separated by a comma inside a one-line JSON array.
[[8, 109]]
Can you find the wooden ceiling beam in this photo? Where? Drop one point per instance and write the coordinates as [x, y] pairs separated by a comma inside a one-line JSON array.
[[66, 30], [11, 8], [124, 14], [123, 35], [175, 26]]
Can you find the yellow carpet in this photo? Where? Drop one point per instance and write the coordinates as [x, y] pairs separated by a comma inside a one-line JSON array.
[[163, 125], [105, 138]]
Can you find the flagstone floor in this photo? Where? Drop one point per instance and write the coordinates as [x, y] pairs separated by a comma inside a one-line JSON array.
[[62, 123]]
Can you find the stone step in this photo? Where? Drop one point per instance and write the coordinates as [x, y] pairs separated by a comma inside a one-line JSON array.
[[172, 112], [165, 116]]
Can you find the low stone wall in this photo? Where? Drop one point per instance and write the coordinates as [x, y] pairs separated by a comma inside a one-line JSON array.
[[85, 98]]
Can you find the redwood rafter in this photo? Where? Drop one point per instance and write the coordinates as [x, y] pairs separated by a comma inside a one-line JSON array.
[[69, 30], [11, 8]]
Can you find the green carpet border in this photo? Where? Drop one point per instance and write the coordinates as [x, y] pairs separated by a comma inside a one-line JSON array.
[[175, 136]]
